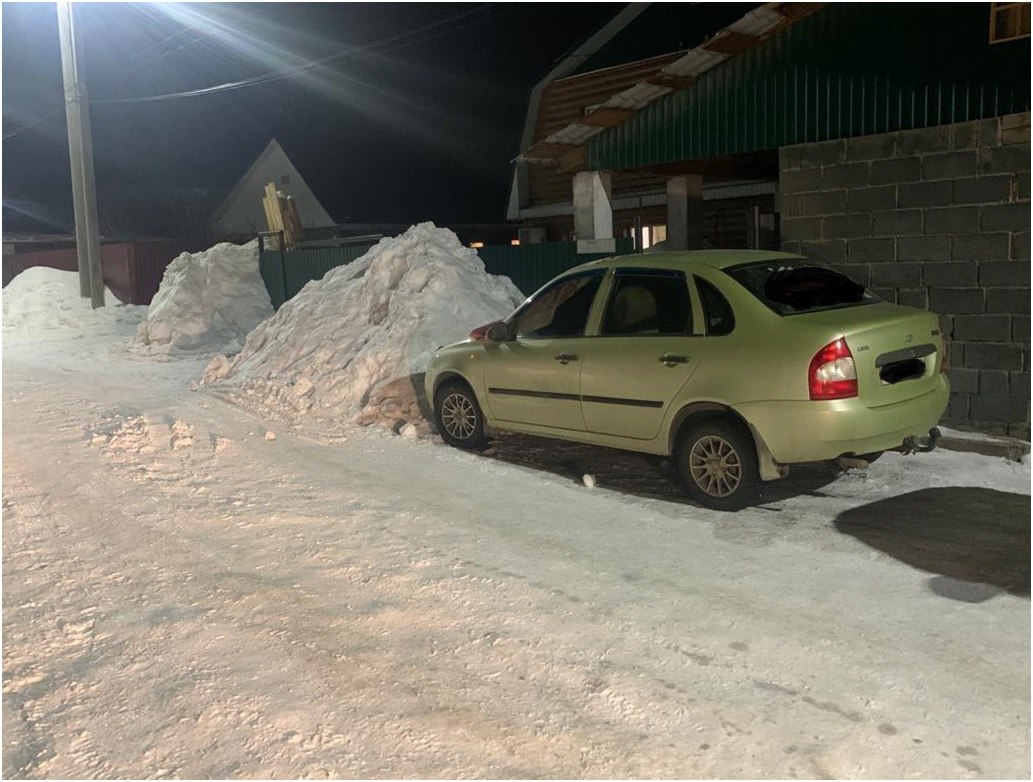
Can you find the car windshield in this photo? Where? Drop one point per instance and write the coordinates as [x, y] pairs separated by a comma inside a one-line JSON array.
[[792, 287]]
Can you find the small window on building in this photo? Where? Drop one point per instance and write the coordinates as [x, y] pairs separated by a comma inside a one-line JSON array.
[[650, 235], [285, 179], [1008, 21]]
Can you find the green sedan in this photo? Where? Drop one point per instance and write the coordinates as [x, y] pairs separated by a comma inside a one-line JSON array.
[[737, 363]]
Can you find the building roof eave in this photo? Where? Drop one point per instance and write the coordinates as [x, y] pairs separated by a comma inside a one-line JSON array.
[[566, 67], [742, 35]]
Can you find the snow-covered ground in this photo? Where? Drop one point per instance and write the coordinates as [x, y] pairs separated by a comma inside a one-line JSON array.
[[186, 595], [42, 303]]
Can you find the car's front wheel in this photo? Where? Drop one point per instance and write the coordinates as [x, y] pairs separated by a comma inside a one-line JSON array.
[[716, 460], [458, 416]]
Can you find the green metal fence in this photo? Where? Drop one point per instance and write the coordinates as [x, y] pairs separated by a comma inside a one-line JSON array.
[[286, 273], [529, 266]]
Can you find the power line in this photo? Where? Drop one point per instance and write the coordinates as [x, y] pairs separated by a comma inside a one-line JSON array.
[[38, 121], [386, 44], [178, 34]]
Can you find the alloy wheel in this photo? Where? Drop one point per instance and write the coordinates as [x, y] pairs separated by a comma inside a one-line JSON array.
[[458, 416], [715, 466]]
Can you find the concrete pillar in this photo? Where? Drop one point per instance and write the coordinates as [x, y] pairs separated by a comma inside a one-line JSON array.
[[684, 213], [593, 212]]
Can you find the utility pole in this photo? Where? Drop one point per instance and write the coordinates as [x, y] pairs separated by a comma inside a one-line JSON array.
[[80, 149]]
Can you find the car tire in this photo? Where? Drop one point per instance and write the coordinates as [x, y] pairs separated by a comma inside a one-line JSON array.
[[716, 460], [458, 416]]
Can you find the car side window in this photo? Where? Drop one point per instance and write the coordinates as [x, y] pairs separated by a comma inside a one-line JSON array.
[[648, 303], [717, 312], [561, 310]]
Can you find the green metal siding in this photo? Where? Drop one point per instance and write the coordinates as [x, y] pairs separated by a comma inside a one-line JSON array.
[[848, 70], [530, 266], [269, 266], [301, 266]]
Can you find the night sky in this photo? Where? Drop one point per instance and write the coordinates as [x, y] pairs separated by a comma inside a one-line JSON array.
[[392, 112]]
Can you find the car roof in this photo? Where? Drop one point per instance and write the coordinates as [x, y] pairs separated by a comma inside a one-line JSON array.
[[717, 259]]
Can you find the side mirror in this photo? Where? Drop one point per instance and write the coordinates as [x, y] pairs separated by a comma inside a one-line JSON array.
[[496, 331]]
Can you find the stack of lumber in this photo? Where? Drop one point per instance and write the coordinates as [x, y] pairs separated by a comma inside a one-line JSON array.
[[281, 213]]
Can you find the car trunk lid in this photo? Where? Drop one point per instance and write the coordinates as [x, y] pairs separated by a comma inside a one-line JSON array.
[[898, 351]]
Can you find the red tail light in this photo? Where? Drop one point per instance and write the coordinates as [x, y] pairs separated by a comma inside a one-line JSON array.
[[832, 374]]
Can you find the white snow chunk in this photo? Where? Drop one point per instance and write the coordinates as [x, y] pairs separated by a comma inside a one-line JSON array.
[[45, 299], [409, 432], [351, 346], [589, 480], [207, 301]]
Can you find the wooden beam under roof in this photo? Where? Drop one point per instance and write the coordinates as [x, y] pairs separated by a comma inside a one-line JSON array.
[[572, 161], [731, 42], [607, 117], [544, 150], [745, 165], [673, 81], [797, 11]]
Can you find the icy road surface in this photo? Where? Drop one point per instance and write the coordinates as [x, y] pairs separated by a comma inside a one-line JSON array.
[[183, 597]]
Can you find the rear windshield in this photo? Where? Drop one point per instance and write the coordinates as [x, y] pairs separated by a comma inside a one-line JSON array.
[[790, 287]]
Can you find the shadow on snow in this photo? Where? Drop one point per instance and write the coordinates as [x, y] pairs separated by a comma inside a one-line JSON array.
[[975, 540]]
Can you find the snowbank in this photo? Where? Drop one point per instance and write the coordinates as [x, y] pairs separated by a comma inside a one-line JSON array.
[[347, 347], [207, 301], [45, 299]]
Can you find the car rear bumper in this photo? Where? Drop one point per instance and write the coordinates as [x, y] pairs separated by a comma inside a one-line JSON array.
[[811, 431]]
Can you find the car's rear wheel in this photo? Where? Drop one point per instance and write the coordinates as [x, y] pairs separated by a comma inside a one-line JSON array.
[[716, 460], [458, 416]]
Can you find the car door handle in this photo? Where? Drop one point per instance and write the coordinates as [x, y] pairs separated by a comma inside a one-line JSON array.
[[669, 360], [566, 358]]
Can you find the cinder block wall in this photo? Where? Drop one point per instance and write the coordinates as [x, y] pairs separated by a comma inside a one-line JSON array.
[[937, 218]]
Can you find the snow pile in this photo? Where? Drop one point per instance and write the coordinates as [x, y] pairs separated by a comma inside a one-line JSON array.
[[350, 347], [45, 299], [207, 301]]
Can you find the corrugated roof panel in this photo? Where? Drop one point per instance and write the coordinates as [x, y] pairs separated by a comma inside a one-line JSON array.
[[637, 97], [565, 100], [575, 133], [696, 62]]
